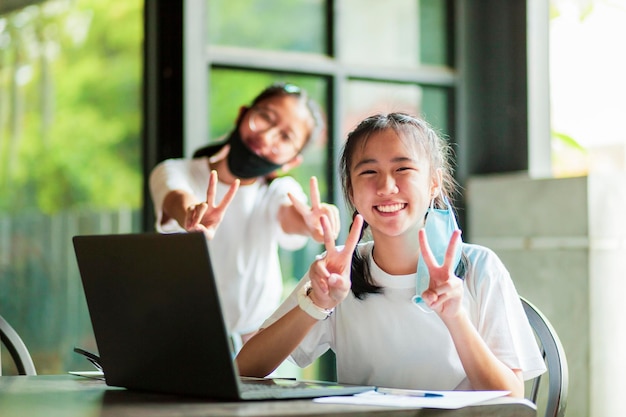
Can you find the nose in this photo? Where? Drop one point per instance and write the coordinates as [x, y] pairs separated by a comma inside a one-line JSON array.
[[270, 140], [386, 185]]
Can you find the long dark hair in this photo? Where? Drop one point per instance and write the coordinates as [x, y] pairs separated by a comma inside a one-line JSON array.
[[414, 132]]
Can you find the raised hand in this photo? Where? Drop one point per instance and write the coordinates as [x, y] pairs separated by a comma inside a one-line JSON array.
[[445, 292], [330, 274], [312, 215], [206, 217]]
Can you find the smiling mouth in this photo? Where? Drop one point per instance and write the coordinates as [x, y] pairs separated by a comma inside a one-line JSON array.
[[254, 148], [391, 208]]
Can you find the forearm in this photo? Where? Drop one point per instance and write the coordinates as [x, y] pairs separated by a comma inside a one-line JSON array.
[[484, 370], [271, 346], [175, 206], [291, 221]]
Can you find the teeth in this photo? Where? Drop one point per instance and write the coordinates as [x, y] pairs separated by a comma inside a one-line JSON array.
[[391, 208]]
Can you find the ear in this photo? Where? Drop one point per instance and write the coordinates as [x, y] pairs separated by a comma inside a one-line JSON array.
[[296, 161], [436, 183]]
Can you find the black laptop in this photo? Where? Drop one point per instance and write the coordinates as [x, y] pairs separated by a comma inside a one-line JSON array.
[[158, 324]]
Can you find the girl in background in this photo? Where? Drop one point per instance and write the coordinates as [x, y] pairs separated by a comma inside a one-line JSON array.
[[231, 193]]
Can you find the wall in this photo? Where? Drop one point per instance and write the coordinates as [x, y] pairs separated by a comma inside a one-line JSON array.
[[564, 242]]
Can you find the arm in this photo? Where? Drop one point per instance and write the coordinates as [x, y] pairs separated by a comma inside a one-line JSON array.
[[175, 206], [484, 370], [330, 282], [203, 216], [298, 218], [271, 346], [444, 295]]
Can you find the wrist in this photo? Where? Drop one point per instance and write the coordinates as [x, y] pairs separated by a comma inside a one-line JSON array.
[[459, 319], [308, 306]]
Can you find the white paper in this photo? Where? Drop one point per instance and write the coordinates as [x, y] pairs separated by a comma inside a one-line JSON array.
[[448, 399]]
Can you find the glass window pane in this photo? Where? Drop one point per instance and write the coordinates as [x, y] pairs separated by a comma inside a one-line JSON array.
[[284, 25], [70, 160], [433, 35], [231, 89], [365, 98], [401, 33], [436, 108]]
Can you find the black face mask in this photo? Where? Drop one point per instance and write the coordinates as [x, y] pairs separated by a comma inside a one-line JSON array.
[[244, 163]]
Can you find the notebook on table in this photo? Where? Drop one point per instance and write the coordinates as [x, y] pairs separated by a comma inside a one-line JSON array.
[[158, 324]]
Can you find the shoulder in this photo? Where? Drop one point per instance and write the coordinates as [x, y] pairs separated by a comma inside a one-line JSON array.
[[175, 173], [282, 185], [478, 254], [181, 164], [484, 266]]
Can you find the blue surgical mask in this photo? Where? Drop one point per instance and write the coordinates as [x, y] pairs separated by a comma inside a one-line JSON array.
[[440, 224]]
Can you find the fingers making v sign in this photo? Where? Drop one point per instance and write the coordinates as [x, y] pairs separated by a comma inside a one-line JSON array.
[[312, 215], [330, 274], [445, 291], [206, 216]]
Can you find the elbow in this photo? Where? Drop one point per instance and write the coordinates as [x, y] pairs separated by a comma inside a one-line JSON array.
[[249, 361], [247, 366], [517, 385], [517, 392]]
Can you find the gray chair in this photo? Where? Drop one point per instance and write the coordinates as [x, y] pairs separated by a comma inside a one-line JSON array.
[[17, 349], [556, 362]]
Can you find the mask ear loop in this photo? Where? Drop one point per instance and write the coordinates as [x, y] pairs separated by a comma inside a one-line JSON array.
[[417, 299]]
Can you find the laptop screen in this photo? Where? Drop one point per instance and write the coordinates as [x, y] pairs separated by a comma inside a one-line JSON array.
[[157, 320]]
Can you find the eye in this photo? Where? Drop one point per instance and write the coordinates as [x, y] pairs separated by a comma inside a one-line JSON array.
[[367, 172], [287, 137], [266, 116]]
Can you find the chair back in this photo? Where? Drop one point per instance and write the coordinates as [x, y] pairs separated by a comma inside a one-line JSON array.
[[17, 349], [556, 363]]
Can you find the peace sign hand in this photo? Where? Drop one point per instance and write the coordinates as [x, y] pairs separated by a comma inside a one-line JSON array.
[[330, 274], [445, 291], [312, 215], [206, 217]]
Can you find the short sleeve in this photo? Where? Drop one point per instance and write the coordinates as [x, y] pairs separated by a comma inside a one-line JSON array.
[[498, 313], [191, 176]]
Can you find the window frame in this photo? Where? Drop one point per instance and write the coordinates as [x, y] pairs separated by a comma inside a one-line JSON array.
[[489, 84]]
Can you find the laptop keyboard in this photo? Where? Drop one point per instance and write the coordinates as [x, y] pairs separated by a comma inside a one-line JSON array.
[[269, 384], [263, 388]]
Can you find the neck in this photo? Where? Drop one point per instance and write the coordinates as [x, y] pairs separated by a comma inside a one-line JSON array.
[[226, 176], [397, 255]]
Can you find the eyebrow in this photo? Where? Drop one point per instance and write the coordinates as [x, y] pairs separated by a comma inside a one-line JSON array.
[[374, 160], [270, 108]]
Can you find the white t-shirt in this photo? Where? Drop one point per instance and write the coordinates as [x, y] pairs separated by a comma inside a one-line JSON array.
[[244, 250], [386, 340]]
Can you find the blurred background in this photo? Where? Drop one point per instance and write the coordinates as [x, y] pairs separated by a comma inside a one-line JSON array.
[[93, 93]]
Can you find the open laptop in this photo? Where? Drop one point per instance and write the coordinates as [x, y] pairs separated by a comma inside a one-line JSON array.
[[158, 324]]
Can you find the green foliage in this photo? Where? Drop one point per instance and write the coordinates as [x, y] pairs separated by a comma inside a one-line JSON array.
[[272, 25], [567, 141], [71, 72]]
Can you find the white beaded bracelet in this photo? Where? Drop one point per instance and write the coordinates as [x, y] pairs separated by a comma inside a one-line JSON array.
[[309, 307]]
